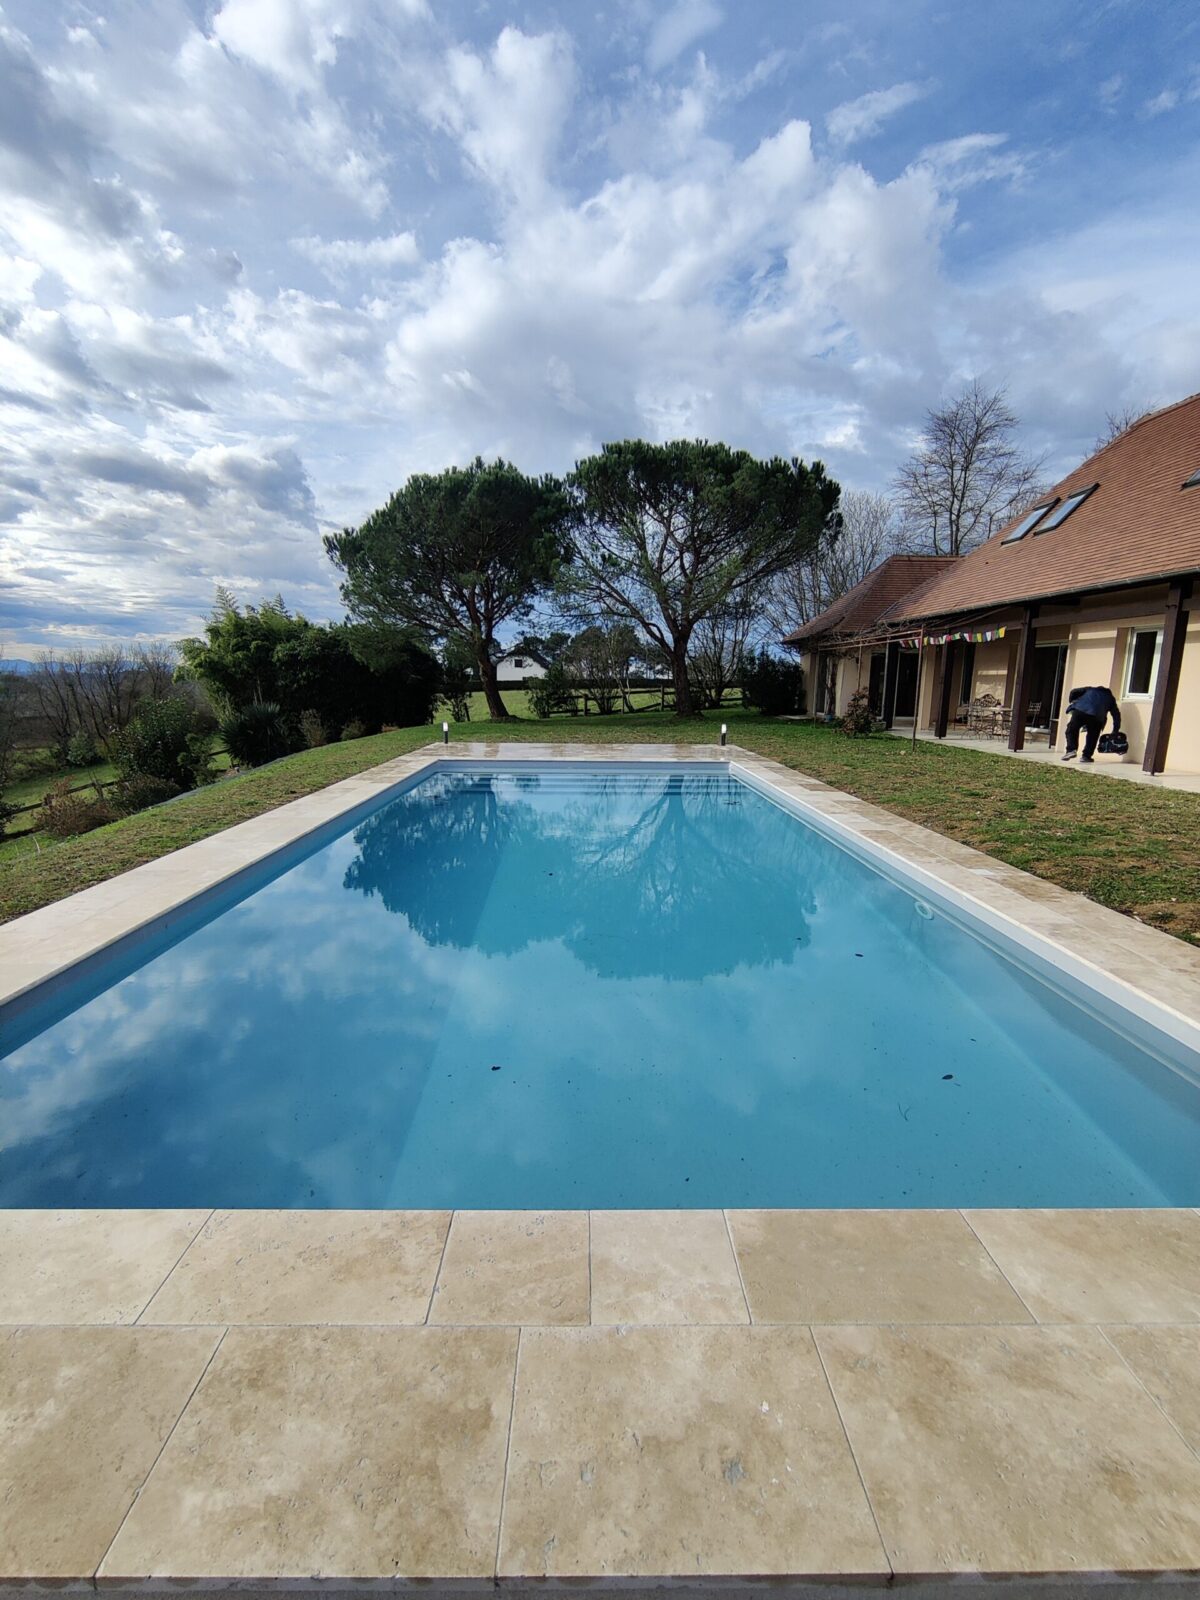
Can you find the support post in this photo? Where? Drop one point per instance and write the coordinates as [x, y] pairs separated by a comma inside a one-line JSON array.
[[1166, 687], [891, 674], [917, 700], [944, 685], [1016, 732]]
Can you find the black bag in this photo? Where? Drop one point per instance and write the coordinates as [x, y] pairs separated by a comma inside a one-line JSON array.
[[1113, 744]]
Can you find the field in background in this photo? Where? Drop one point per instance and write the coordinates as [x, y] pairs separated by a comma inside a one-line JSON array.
[[30, 789]]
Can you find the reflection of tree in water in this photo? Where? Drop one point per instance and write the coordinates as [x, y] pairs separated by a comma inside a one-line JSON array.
[[432, 856], [697, 878]]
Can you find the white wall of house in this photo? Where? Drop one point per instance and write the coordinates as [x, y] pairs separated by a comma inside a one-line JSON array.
[[512, 669]]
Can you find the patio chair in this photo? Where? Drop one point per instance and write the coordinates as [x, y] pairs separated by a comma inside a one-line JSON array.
[[980, 716]]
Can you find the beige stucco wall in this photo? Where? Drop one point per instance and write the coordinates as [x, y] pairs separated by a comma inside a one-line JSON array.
[[854, 674], [1183, 752], [1098, 655], [993, 668]]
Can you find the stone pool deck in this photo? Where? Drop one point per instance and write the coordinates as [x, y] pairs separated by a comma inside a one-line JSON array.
[[265, 1397], [807, 1401]]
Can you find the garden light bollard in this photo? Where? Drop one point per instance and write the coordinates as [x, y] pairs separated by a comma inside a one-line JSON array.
[[445, 733], [724, 732]]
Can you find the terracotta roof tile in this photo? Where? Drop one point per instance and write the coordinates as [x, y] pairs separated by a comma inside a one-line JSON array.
[[880, 591], [1139, 525]]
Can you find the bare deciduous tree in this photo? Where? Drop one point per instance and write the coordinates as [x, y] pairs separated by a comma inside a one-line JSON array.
[[969, 476], [155, 666], [97, 692], [54, 693], [1118, 422], [601, 657], [107, 690], [719, 644], [869, 534]]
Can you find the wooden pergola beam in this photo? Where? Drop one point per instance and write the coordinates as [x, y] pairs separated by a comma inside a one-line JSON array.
[[1162, 713], [944, 685], [1016, 731]]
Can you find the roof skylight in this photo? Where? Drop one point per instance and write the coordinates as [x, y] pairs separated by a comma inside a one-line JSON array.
[[1065, 507], [1027, 522]]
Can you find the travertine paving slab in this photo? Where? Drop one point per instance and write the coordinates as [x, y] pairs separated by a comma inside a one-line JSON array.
[[679, 1451], [306, 1266], [87, 1266], [514, 1267], [83, 1414], [332, 1452], [664, 1266], [1013, 1450], [1098, 1266], [868, 1266], [1167, 1361]]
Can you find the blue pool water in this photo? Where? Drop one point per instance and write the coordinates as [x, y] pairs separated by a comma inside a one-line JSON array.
[[581, 987]]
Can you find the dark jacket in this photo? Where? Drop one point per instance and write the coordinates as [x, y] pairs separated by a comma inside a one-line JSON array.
[[1096, 702]]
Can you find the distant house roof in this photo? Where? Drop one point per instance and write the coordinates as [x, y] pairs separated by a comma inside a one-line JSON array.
[[1140, 522], [524, 655], [879, 593]]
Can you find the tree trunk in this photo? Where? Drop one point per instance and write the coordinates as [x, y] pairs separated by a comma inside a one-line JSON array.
[[497, 710], [685, 706]]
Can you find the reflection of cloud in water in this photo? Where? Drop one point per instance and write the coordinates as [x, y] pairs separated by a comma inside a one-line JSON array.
[[638, 877], [690, 999]]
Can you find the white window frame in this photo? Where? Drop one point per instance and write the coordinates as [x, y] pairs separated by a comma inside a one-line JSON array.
[[1130, 644]]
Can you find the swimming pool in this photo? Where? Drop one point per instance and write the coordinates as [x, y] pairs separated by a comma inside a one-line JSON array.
[[575, 986]]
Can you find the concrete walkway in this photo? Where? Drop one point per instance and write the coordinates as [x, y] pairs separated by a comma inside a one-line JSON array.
[[1109, 766]]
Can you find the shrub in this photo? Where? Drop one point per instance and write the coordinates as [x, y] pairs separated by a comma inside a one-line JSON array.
[[263, 653], [772, 686], [140, 790], [354, 730], [312, 730], [81, 750], [162, 742], [64, 813], [258, 733], [859, 717], [552, 692]]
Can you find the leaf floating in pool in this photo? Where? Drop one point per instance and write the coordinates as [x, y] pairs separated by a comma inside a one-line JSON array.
[[858, 953], [946, 1076], [496, 1069]]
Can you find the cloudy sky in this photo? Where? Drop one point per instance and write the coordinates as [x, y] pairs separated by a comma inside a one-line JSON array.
[[262, 259]]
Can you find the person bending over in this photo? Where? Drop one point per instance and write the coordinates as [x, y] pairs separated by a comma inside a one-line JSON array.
[[1088, 710]]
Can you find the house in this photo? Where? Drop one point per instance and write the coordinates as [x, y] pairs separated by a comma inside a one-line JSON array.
[[514, 666], [1093, 585], [846, 646]]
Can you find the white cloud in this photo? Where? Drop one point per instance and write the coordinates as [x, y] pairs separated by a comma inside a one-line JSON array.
[[290, 39], [861, 118], [678, 27], [1167, 100], [973, 158], [338, 258], [180, 402], [507, 108]]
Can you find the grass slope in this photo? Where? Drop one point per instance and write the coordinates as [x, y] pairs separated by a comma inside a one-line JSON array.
[[1128, 846]]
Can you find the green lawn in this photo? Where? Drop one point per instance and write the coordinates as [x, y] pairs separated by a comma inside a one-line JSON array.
[[1129, 847]]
